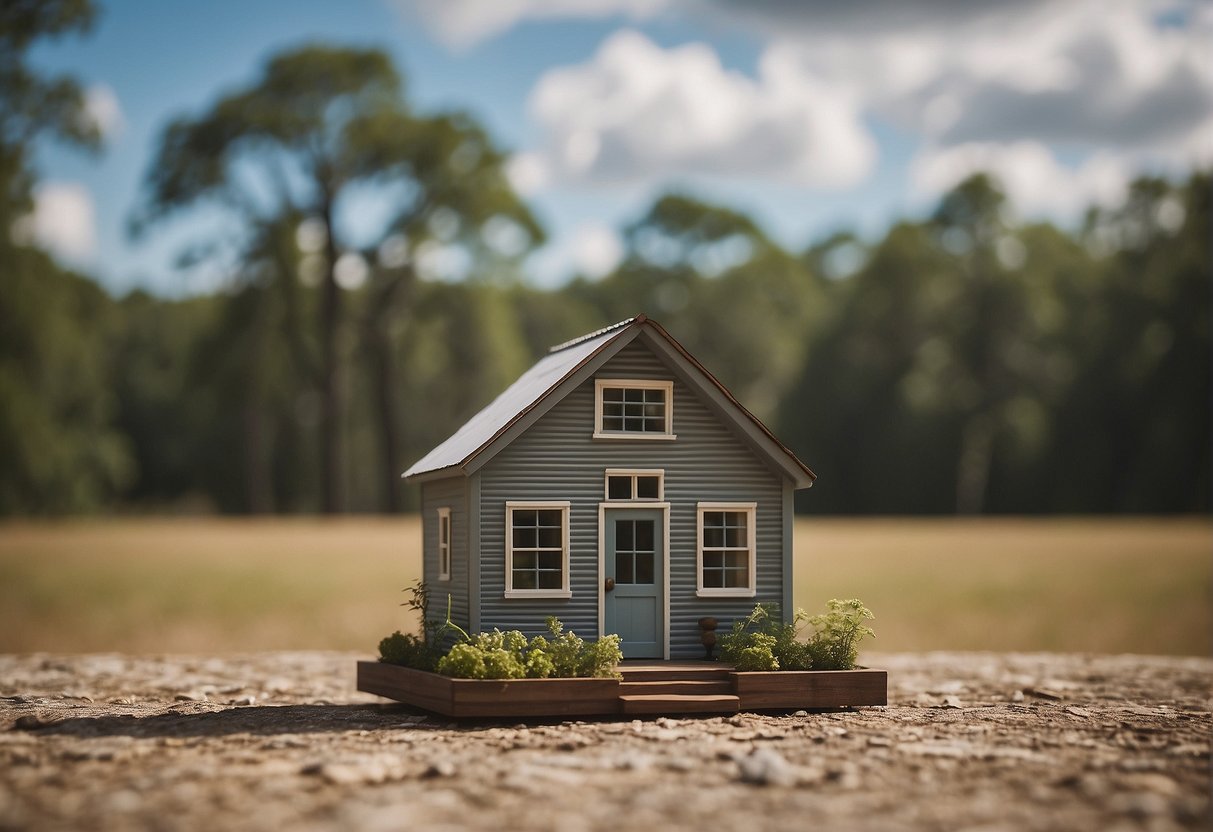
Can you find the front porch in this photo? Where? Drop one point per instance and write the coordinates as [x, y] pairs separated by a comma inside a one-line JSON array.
[[646, 688]]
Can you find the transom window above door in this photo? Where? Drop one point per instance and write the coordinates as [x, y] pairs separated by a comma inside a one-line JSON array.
[[633, 409], [637, 484]]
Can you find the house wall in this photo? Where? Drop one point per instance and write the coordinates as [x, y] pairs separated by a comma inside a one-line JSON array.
[[556, 459], [453, 493]]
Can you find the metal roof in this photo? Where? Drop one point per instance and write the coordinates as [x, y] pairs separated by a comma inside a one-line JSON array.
[[518, 398], [563, 361]]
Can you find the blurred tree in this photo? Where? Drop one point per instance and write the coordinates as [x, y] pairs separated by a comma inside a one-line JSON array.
[[736, 299], [58, 444], [33, 106], [319, 125], [1141, 402], [59, 449], [997, 349]]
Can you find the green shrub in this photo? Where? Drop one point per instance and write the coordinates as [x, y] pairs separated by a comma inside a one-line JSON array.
[[837, 632], [509, 655], [464, 661], [761, 641], [409, 651], [758, 655]]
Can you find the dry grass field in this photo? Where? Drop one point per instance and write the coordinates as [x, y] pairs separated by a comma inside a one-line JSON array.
[[170, 586]]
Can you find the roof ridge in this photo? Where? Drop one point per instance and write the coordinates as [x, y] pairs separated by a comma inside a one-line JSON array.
[[639, 319]]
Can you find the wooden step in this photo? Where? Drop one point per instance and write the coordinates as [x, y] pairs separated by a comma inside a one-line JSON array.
[[672, 703], [686, 687], [674, 672]]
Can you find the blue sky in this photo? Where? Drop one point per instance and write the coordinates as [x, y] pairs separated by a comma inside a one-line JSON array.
[[812, 116]]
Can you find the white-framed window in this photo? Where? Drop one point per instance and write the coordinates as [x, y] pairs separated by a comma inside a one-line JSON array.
[[633, 409], [725, 552], [537, 549], [444, 543], [635, 484]]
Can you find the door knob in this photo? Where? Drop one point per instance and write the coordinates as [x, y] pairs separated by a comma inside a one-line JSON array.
[[610, 584]]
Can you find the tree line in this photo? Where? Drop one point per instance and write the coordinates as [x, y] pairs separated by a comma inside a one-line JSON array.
[[964, 362]]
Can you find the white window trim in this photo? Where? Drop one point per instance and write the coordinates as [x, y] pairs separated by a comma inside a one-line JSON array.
[[659, 473], [751, 537], [510, 592], [601, 384], [444, 550]]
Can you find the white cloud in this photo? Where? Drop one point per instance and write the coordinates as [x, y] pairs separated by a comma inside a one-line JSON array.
[[464, 23], [1029, 173], [102, 107], [636, 111], [591, 249], [596, 249], [528, 173], [63, 221], [1087, 74]]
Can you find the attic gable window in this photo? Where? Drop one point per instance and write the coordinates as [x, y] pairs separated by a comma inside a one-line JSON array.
[[537, 550], [633, 409]]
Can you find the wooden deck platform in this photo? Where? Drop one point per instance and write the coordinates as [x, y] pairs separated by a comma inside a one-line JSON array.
[[669, 688]]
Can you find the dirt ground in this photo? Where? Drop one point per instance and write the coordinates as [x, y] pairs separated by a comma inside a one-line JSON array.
[[283, 741]]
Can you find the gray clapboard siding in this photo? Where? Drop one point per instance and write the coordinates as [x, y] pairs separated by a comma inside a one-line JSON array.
[[556, 459], [451, 492]]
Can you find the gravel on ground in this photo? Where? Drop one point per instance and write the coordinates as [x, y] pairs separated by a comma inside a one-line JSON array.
[[283, 741]]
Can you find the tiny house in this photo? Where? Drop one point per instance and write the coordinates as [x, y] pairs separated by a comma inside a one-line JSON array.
[[618, 486]]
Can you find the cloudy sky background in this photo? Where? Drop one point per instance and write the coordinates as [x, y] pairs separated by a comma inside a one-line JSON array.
[[812, 115]]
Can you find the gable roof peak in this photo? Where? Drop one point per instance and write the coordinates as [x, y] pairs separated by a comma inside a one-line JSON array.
[[566, 365], [598, 333]]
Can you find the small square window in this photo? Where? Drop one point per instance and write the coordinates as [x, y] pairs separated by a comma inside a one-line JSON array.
[[619, 488], [648, 488]]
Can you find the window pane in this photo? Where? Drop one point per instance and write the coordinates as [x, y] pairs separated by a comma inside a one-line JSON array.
[[633, 395], [549, 538], [737, 578], [624, 535], [524, 560], [713, 560], [550, 517], [612, 394], [550, 580], [655, 411], [525, 538], [444, 529], [644, 535], [633, 424], [619, 488], [524, 579], [734, 537], [737, 560], [713, 579], [549, 560], [713, 537], [713, 518], [612, 423], [644, 567], [647, 488], [623, 568]]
